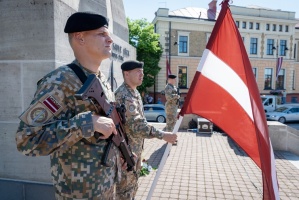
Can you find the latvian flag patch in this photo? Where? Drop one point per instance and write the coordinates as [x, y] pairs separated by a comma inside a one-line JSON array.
[[52, 104]]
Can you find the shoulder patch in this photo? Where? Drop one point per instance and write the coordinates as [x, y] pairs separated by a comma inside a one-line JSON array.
[[38, 115], [132, 107], [41, 111]]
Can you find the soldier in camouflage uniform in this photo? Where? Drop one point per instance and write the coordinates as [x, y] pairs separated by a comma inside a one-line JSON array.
[[172, 101], [136, 126], [58, 125]]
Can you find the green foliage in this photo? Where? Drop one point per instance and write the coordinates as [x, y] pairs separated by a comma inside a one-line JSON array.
[[146, 168], [144, 171], [148, 48]]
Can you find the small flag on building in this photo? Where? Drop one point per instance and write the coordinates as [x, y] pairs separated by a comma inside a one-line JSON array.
[[278, 66], [212, 10], [168, 70]]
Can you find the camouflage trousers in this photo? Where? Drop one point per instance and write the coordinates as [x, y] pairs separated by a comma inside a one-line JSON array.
[[128, 186], [107, 195], [171, 118]]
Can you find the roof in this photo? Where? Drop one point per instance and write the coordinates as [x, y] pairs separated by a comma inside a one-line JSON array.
[[191, 12]]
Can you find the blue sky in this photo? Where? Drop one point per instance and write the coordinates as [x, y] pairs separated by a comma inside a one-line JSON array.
[[137, 9]]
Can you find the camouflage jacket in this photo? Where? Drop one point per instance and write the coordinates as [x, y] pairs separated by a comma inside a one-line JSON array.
[[171, 94], [56, 124], [136, 125]]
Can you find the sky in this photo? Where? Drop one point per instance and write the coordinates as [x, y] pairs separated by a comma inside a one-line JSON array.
[[138, 9]]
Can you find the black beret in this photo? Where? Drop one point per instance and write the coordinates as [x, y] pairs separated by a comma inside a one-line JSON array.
[[131, 64], [84, 21], [171, 76]]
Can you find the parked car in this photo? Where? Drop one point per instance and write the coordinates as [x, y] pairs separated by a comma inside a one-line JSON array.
[[155, 112], [285, 113]]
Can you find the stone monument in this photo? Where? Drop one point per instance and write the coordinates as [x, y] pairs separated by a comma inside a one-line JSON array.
[[32, 44]]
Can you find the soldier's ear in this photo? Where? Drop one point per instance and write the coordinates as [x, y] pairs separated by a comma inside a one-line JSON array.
[[126, 73], [79, 37]]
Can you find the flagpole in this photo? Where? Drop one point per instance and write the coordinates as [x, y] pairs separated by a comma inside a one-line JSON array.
[[163, 160]]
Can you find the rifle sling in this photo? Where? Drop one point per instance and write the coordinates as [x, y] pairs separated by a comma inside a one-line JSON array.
[[78, 71], [82, 76]]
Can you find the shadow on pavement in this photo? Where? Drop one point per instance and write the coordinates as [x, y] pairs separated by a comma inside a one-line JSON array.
[[155, 158]]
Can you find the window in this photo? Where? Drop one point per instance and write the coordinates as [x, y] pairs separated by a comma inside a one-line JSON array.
[[244, 25], [270, 45], [287, 28], [267, 27], [283, 48], [237, 24], [182, 82], [280, 28], [294, 110], [254, 71], [274, 27], [268, 79], [157, 108], [280, 79], [253, 45], [257, 26], [269, 102], [183, 44], [146, 108], [250, 25]]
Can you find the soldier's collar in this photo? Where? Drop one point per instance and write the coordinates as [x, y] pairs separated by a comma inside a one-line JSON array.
[[98, 74], [134, 92]]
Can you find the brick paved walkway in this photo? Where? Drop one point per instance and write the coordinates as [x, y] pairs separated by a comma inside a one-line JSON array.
[[211, 166]]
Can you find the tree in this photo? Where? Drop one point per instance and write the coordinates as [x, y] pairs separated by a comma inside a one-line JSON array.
[[148, 49]]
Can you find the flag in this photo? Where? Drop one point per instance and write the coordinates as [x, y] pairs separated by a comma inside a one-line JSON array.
[[212, 9], [278, 65], [225, 92], [168, 70]]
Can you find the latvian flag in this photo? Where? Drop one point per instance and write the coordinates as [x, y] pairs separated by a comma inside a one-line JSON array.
[[51, 104], [225, 92]]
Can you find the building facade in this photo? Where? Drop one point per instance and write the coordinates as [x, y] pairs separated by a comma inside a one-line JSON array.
[[267, 35]]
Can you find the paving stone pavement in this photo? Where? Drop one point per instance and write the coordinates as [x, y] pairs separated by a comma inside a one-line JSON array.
[[211, 166]]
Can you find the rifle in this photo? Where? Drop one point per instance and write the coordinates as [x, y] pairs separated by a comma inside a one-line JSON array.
[[92, 89]]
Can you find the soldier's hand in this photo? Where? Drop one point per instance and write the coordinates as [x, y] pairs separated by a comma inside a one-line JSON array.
[[169, 137], [123, 164], [104, 126]]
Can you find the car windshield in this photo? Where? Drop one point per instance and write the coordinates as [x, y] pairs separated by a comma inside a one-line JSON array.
[[281, 109]]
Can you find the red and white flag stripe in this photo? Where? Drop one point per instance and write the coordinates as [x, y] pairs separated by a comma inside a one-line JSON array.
[[52, 104], [237, 88]]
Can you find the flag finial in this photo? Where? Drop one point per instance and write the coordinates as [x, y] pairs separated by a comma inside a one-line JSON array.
[[226, 2]]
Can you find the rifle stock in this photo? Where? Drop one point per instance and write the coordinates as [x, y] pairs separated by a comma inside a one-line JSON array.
[[92, 89]]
